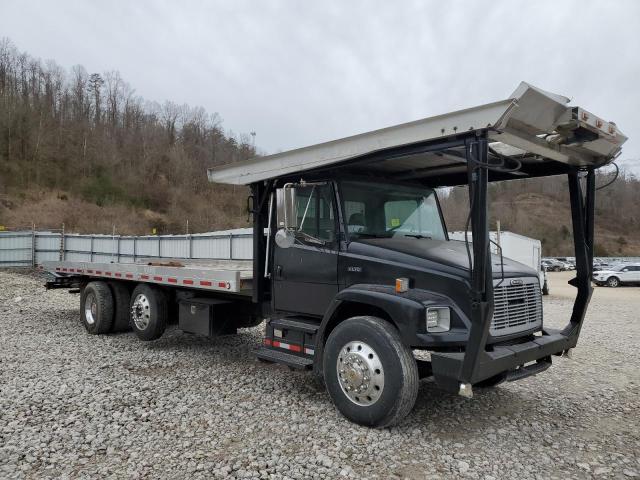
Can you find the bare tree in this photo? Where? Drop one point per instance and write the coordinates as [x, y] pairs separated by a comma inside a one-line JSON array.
[[95, 90]]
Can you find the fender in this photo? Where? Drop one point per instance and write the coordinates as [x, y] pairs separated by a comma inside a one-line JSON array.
[[405, 310]]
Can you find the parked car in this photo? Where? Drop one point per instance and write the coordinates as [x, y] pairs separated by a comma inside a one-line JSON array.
[[552, 265], [626, 273], [598, 266]]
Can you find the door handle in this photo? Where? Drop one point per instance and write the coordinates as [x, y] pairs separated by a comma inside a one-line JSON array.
[[279, 271]]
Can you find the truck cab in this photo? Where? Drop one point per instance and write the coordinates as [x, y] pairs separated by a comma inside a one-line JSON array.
[[354, 234]]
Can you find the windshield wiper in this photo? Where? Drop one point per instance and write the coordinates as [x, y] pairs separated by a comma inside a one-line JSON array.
[[370, 235], [417, 235]]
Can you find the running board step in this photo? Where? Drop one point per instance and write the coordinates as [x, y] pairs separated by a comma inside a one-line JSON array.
[[288, 359], [295, 323]]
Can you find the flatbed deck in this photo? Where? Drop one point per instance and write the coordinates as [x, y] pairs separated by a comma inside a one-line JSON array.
[[233, 276]]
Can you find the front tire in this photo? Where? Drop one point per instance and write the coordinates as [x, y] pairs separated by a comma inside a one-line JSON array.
[[148, 312], [613, 282], [370, 375], [96, 308]]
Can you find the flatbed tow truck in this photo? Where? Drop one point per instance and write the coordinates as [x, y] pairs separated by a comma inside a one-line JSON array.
[[355, 275]]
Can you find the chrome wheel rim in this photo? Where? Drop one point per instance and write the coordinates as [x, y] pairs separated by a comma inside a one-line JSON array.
[[360, 373], [141, 312], [90, 309]]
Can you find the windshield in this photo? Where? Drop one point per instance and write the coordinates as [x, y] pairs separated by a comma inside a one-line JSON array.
[[376, 210]]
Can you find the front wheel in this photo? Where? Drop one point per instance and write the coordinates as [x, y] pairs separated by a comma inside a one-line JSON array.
[[613, 282], [371, 376]]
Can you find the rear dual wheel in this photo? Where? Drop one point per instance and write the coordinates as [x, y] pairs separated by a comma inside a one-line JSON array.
[[148, 312], [104, 307], [109, 307], [121, 303], [96, 308]]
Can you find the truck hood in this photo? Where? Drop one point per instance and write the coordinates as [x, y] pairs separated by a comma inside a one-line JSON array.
[[451, 253]]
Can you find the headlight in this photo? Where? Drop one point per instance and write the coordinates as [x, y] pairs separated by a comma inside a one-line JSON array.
[[438, 319]]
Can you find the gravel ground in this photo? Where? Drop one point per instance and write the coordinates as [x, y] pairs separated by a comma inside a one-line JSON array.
[[75, 405]]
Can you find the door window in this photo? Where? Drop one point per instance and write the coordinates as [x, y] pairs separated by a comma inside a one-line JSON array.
[[316, 216]]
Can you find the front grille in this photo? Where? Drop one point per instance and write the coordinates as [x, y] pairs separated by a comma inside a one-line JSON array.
[[518, 306]]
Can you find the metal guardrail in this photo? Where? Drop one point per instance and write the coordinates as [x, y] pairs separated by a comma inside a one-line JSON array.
[[29, 248]]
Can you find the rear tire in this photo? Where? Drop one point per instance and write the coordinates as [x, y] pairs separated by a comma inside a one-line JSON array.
[[148, 311], [365, 357], [121, 303], [96, 308], [613, 282]]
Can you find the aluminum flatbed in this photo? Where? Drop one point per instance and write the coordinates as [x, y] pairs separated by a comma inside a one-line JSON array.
[[232, 276]]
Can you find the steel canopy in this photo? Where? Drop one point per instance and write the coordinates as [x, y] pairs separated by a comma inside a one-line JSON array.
[[531, 125]]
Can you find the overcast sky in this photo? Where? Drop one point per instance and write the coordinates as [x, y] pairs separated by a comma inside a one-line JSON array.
[[301, 72]]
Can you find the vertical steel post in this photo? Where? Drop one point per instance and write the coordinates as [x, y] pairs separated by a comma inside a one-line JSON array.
[[258, 192], [582, 212], [134, 248], [231, 246], [62, 246], [33, 245], [481, 273], [113, 242]]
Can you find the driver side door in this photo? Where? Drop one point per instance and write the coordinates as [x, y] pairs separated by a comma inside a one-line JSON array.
[[305, 275]]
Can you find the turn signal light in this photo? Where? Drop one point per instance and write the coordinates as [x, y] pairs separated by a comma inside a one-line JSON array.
[[402, 285]]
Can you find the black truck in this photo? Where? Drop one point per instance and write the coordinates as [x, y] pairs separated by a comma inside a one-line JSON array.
[[352, 266]]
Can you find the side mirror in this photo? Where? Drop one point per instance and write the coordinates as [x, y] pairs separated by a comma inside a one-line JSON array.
[[285, 238], [286, 211]]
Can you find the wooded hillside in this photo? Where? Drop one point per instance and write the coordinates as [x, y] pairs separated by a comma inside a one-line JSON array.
[[83, 149]]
